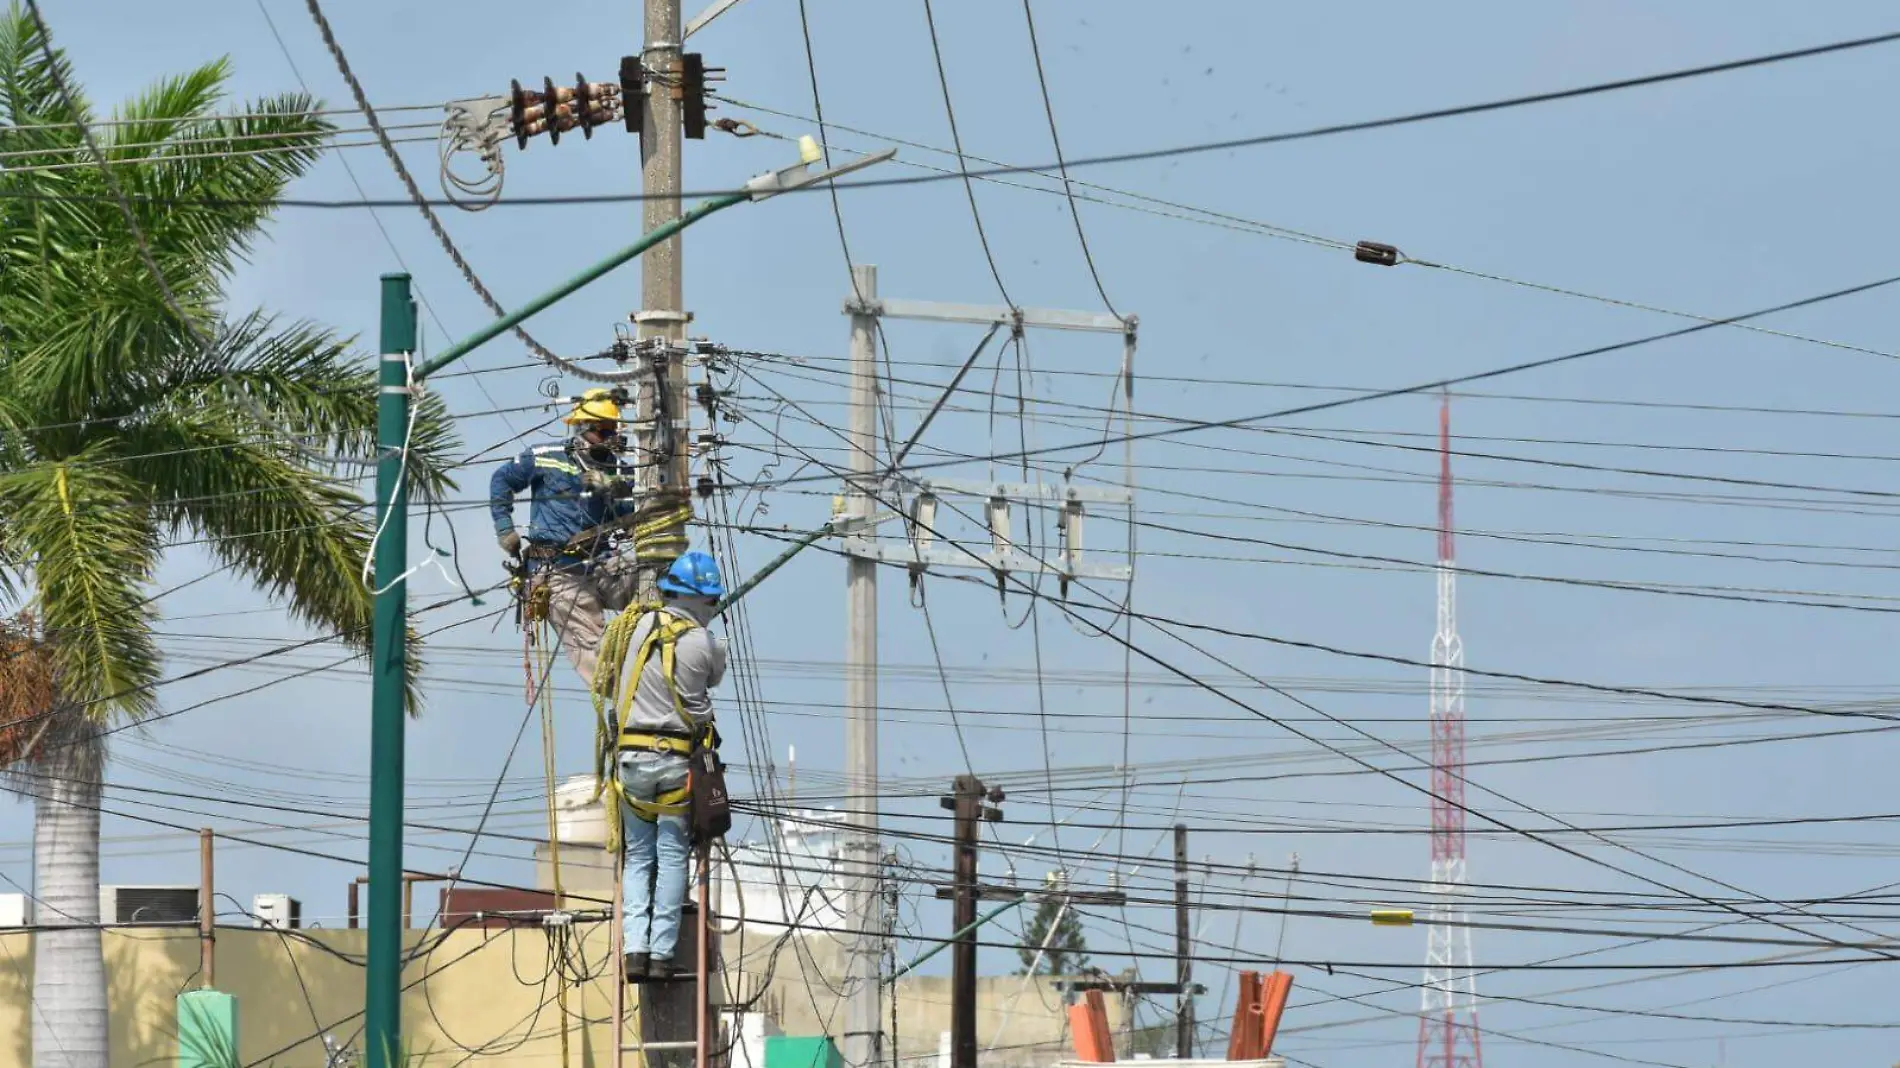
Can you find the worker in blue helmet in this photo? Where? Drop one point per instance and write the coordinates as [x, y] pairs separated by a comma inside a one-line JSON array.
[[675, 661]]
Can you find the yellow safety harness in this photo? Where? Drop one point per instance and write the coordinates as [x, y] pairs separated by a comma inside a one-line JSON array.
[[614, 689]]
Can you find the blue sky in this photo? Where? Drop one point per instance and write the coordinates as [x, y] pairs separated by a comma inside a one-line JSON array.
[[1711, 197]]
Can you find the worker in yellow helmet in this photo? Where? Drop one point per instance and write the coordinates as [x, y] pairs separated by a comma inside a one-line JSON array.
[[574, 487]]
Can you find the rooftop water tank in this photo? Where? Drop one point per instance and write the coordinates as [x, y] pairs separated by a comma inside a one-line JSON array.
[[579, 817]]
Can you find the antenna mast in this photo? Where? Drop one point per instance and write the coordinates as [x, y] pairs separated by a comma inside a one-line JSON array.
[[1448, 1022]]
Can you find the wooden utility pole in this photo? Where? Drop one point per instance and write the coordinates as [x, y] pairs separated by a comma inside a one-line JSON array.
[[1184, 988], [207, 914], [1183, 951], [966, 801]]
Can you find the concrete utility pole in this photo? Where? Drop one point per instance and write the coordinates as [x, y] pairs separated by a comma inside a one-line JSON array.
[[669, 1013], [863, 1030], [663, 314]]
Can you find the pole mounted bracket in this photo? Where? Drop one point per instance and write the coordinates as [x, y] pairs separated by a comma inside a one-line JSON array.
[[661, 318]]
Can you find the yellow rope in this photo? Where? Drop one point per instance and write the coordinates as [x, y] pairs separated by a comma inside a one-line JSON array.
[[541, 691], [662, 538], [607, 686]]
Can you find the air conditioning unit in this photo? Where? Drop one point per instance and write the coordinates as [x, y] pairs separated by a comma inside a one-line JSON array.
[[276, 910], [148, 904], [13, 910]]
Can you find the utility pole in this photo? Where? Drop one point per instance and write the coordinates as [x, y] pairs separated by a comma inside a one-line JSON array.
[[966, 801], [1184, 988], [389, 634], [207, 914], [863, 1030], [661, 322], [389, 670], [1183, 950]]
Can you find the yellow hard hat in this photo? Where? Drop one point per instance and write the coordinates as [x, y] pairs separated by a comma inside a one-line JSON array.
[[596, 406]]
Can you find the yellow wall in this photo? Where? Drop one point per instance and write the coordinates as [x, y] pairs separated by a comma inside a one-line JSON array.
[[483, 991]]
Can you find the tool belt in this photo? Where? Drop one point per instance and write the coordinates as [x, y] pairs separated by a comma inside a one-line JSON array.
[[703, 800], [656, 741], [545, 551]]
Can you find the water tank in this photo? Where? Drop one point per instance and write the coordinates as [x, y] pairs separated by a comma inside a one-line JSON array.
[[579, 818]]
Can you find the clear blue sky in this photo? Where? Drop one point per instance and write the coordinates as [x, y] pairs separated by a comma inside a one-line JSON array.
[[1713, 197]]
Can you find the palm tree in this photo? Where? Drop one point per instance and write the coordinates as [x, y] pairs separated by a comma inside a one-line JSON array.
[[136, 415]]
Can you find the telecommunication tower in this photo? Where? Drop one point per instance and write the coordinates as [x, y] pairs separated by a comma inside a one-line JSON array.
[[1448, 1021]]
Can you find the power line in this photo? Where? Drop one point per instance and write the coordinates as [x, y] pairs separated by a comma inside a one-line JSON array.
[[1196, 426], [1397, 778], [956, 138], [1309, 133]]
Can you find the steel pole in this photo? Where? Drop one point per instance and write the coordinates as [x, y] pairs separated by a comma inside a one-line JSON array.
[[389, 670], [546, 300], [863, 1031]]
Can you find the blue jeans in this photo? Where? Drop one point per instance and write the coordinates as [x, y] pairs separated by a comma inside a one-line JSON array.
[[657, 855]]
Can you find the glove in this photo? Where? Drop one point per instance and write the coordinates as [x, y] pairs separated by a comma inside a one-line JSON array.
[[599, 482], [510, 544]]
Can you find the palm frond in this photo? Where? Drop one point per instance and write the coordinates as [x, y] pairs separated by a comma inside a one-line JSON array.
[[91, 351], [222, 160], [90, 543], [300, 537], [304, 379], [29, 85], [165, 111], [43, 122]]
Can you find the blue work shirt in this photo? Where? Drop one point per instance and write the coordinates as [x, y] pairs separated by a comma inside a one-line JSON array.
[[559, 506]]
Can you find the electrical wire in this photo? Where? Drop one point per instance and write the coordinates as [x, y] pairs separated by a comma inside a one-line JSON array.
[[1503, 825], [1198, 148]]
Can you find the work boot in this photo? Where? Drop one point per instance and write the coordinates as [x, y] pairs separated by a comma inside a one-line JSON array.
[[638, 967], [660, 968]]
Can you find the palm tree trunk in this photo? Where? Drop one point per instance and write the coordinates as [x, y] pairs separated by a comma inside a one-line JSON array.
[[69, 973]]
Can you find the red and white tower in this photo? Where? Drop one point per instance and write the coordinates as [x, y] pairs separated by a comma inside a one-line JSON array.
[[1448, 1021]]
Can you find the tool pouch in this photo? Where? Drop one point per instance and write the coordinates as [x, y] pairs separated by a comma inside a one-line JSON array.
[[706, 779]]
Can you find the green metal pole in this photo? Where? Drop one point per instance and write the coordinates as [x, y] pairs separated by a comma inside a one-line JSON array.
[[389, 666], [804, 541], [544, 301], [946, 943], [389, 633]]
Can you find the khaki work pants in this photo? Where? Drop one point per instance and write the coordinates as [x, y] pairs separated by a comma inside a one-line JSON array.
[[577, 604]]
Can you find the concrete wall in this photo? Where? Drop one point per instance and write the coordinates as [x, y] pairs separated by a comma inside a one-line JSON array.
[[483, 990]]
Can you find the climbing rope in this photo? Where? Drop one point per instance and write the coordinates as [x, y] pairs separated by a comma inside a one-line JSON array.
[[537, 659], [659, 536]]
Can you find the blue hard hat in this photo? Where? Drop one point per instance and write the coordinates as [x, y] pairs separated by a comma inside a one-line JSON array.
[[694, 575]]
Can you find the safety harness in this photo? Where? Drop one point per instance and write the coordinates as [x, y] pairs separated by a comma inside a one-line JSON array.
[[663, 637]]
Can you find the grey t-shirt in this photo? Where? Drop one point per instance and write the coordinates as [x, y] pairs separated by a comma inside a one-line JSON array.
[[699, 663]]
